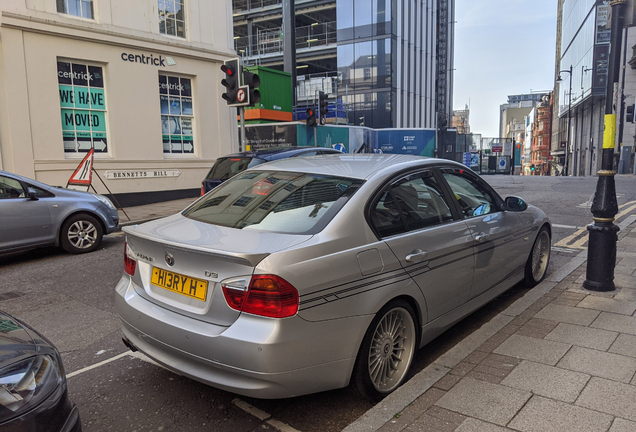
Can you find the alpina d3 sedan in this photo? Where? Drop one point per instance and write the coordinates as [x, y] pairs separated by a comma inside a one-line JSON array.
[[309, 274]]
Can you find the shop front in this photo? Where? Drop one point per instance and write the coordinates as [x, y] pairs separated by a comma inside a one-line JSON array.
[[150, 109]]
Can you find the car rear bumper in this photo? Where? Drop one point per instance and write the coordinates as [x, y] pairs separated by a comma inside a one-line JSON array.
[[255, 356]]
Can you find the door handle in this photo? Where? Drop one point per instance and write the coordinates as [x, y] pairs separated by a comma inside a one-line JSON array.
[[416, 255], [481, 237]]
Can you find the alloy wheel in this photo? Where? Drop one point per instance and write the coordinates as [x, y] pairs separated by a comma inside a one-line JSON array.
[[82, 234], [391, 351], [540, 255]]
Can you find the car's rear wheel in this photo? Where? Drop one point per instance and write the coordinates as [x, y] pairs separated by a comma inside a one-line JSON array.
[[537, 264], [80, 234], [387, 351]]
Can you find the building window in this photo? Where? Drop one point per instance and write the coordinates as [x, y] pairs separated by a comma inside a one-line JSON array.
[[79, 8], [83, 106], [172, 18], [177, 117]]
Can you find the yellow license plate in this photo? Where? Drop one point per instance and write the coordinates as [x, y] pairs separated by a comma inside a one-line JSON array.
[[184, 285]]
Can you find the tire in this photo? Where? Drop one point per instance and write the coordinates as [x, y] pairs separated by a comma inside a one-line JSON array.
[[81, 233], [393, 333], [537, 264]]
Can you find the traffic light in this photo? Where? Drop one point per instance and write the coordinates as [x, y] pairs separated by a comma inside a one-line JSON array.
[[629, 118], [323, 106], [311, 117], [231, 81], [532, 167], [251, 80]]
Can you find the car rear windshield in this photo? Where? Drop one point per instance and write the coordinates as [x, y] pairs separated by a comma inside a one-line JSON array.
[[285, 202], [227, 167]]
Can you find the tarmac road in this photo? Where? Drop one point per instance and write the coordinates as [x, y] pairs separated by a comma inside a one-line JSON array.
[[70, 300]]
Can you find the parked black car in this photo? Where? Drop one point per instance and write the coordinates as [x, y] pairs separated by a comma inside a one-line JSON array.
[[228, 166], [33, 392]]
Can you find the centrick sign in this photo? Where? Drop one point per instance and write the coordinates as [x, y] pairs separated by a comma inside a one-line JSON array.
[[151, 59]]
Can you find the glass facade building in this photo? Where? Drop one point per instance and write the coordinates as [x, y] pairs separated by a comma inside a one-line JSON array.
[[384, 63], [583, 69]]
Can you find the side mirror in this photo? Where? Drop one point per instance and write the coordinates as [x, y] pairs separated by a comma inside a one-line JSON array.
[[32, 194], [515, 204]]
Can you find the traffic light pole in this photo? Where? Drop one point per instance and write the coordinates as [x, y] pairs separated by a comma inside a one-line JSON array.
[[601, 251], [242, 143]]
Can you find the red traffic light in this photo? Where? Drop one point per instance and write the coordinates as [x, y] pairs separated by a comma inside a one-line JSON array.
[[227, 70], [310, 112]]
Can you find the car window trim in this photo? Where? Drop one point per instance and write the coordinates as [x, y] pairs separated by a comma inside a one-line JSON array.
[[393, 180]]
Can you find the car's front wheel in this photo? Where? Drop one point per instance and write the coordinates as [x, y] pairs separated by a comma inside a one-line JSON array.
[[387, 351], [80, 234], [537, 264]]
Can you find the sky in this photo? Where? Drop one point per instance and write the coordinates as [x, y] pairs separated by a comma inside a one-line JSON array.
[[502, 47]]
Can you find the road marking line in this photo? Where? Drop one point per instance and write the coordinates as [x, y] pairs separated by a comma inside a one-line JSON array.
[[626, 204], [580, 243], [281, 426], [565, 226], [578, 239], [564, 250], [96, 365], [625, 211], [261, 415], [565, 242]]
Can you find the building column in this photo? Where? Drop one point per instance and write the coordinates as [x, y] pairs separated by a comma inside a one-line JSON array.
[[15, 137]]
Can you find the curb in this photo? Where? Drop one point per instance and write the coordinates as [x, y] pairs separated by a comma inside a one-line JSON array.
[[396, 402]]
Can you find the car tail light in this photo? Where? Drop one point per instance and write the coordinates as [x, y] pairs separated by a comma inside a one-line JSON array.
[[202, 189], [267, 295], [130, 263]]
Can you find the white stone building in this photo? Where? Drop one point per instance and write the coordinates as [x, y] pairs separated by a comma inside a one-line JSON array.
[[137, 80]]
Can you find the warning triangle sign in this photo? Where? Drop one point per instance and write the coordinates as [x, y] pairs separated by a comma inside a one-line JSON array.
[[83, 175]]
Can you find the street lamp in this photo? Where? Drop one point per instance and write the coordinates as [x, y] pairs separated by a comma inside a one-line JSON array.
[[601, 250], [567, 139]]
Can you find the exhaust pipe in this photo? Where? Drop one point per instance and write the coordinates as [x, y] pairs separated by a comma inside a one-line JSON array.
[[129, 344]]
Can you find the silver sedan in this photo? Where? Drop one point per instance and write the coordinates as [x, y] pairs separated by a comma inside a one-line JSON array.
[[304, 275]]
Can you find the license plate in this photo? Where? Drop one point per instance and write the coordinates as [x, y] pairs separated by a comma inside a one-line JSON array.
[[184, 285]]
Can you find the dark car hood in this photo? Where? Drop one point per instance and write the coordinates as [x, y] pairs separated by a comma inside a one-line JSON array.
[[16, 341]]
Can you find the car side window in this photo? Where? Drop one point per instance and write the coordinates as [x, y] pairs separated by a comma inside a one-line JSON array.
[[473, 199], [414, 203], [10, 188], [386, 216]]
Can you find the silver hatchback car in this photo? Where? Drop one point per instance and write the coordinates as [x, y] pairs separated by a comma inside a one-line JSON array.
[[308, 274]]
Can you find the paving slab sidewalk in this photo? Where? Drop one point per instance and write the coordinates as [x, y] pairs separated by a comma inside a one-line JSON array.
[[145, 213], [560, 359]]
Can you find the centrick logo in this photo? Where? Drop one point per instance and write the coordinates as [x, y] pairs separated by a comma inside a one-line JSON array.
[[152, 60], [77, 75], [172, 86]]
